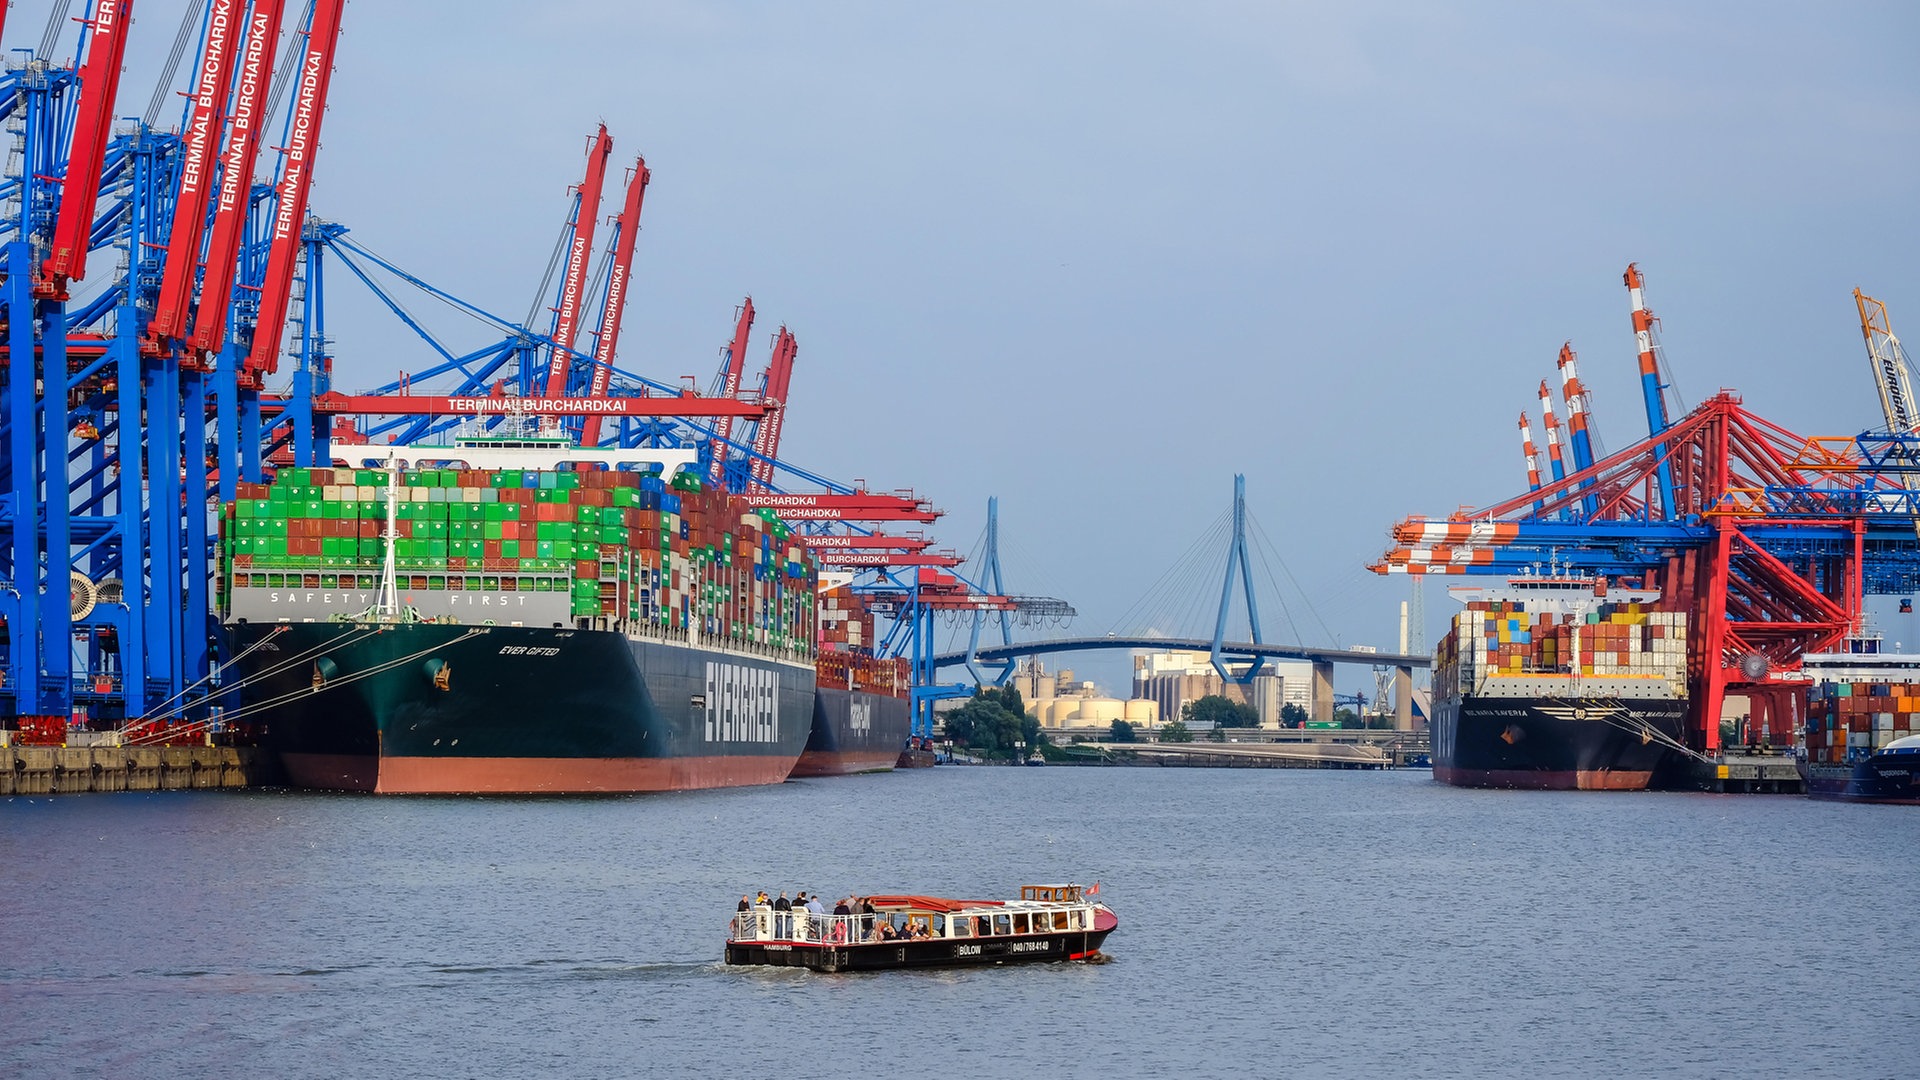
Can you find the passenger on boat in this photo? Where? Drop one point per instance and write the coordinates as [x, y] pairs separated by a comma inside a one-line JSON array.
[[783, 917]]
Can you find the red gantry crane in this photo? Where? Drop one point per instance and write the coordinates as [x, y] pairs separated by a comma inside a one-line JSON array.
[[92, 128], [626, 230], [296, 181], [236, 174], [766, 438], [199, 149], [730, 387], [585, 216]]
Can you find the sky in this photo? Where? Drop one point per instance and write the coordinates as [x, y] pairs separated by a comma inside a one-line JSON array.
[[1095, 258]]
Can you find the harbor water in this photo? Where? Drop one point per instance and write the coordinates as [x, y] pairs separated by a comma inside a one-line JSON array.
[[1273, 922]]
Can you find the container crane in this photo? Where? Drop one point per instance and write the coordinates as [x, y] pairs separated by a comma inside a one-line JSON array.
[[730, 387], [92, 129], [1644, 324], [1893, 378], [1554, 460], [236, 176], [1891, 375], [766, 437], [626, 230], [585, 215], [1575, 395], [1533, 460], [296, 183], [199, 149]]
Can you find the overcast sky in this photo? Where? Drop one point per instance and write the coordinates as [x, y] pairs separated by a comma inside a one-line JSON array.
[[1094, 258]]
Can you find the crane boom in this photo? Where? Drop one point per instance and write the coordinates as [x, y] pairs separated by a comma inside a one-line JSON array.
[[585, 216], [1533, 459], [199, 148], [613, 308], [766, 438], [1890, 372], [730, 386], [92, 127], [1554, 460], [296, 183], [1650, 388], [236, 174]]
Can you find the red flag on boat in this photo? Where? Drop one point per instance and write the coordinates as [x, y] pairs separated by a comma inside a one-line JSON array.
[[1093, 888]]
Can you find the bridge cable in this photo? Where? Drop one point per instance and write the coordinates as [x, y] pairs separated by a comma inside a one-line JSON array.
[[1148, 608], [1267, 541]]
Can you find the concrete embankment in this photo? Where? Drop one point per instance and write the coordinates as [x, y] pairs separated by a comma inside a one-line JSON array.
[[57, 770], [1217, 756]]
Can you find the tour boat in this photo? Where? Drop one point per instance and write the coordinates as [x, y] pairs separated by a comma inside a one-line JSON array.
[[1047, 923]]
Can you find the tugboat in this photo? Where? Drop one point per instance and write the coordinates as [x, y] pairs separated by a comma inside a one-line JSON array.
[[1047, 923]]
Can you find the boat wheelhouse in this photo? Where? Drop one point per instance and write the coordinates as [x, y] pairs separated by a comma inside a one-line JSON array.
[[1047, 923]]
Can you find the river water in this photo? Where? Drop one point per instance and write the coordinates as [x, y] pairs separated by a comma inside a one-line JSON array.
[[1273, 923]]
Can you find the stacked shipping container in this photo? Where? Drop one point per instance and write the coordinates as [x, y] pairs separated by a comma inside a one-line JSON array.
[[846, 660], [1849, 720], [631, 549], [1501, 638]]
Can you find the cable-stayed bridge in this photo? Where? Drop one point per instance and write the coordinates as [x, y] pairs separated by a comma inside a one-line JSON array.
[[1237, 661]]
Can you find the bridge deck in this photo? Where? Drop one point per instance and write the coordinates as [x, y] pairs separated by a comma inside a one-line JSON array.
[[1230, 648]]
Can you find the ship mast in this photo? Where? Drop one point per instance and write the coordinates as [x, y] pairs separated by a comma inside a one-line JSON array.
[[389, 605]]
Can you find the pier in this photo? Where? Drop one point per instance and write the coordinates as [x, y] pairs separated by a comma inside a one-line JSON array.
[[63, 770]]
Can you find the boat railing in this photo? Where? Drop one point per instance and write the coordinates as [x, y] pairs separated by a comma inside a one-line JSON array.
[[799, 925]]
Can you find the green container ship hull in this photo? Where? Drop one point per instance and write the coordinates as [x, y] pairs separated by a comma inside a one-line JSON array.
[[440, 708]]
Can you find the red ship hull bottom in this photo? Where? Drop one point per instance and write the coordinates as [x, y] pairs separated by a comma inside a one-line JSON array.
[[1546, 779], [844, 762], [531, 776]]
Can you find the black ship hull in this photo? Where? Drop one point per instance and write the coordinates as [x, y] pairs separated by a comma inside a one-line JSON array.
[[854, 732], [1554, 743], [887, 955], [1884, 777], [432, 708]]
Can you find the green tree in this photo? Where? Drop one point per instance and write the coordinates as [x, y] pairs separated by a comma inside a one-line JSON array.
[[993, 723], [1293, 716], [1175, 732], [1220, 711], [1346, 717], [1123, 732], [1216, 734]]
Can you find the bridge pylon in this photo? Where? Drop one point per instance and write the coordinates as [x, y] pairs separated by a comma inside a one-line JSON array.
[[1236, 559], [990, 580]]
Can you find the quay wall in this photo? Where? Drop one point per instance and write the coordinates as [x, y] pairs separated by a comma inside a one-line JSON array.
[[61, 770]]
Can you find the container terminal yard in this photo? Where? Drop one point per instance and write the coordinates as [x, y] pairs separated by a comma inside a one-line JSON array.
[[174, 436]]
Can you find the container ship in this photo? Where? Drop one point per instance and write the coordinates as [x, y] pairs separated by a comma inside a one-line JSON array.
[[861, 713], [1559, 682], [1861, 738], [540, 620]]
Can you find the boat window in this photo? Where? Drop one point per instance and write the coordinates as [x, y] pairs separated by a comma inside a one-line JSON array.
[[939, 926], [1020, 923], [1002, 924], [962, 928], [1079, 918], [1059, 920]]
